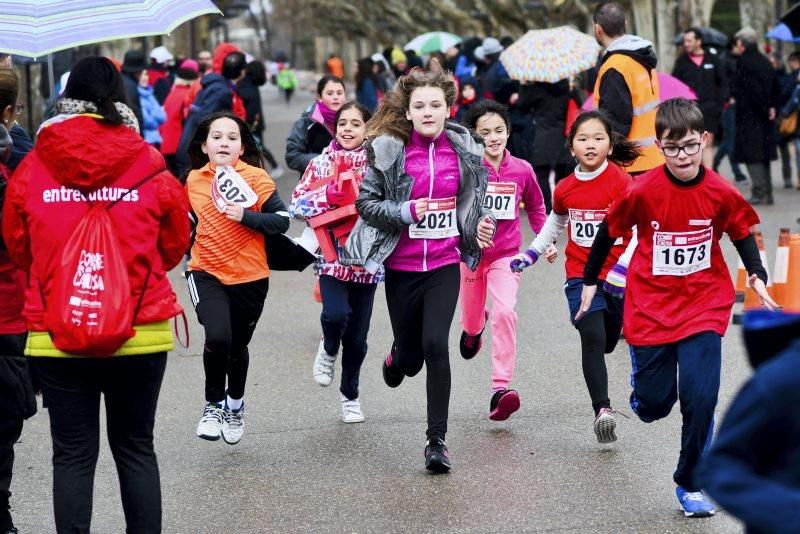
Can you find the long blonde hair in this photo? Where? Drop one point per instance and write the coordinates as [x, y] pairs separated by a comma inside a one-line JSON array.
[[391, 117]]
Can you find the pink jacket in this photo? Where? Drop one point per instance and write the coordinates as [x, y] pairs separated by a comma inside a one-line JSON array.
[[508, 237], [433, 164]]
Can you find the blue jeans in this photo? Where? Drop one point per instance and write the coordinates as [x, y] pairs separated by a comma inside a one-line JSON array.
[[346, 314], [687, 370]]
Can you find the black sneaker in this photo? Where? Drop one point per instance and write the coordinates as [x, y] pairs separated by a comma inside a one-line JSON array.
[[471, 345], [392, 374], [437, 459]]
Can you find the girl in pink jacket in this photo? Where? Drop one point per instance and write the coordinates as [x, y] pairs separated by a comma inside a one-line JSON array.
[[511, 181]]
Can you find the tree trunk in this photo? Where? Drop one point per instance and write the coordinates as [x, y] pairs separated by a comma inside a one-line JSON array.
[[665, 15], [757, 14], [695, 13], [643, 18]]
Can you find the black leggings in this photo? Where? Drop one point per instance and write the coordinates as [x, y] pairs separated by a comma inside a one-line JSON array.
[[599, 331], [229, 314], [421, 308]]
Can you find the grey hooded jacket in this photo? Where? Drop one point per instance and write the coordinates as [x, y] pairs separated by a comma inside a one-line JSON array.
[[386, 187]]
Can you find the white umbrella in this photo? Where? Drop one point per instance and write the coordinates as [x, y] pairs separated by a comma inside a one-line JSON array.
[[431, 42]]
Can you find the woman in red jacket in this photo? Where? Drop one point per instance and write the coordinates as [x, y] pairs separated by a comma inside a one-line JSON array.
[[49, 195], [176, 109]]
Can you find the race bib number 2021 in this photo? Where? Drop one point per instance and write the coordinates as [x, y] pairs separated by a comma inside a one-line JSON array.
[[681, 253], [438, 222]]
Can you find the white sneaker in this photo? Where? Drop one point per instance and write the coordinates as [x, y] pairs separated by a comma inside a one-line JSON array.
[[232, 425], [277, 171], [351, 411], [211, 422], [323, 366]]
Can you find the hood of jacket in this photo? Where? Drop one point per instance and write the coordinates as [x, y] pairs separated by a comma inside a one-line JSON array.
[[641, 50], [63, 149], [213, 78], [385, 149], [222, 51]]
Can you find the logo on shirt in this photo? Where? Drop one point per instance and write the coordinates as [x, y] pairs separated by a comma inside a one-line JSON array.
[[65, 194], [655, 225]]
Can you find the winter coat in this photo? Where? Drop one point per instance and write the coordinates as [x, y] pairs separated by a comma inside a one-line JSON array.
[[22, 145], [47, 197], [755, 456], [307, 140], [250, 94], [12, 279], [367, 94], [386, 187], [547, 102], [153, 115], [172, 128], [752, 90], [709, 81]]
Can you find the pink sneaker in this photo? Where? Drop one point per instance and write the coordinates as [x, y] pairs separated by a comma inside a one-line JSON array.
[[504, 402]]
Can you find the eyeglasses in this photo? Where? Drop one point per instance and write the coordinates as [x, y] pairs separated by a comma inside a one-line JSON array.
[[672, 151]]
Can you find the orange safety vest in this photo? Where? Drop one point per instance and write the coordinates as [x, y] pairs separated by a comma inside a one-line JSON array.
[[645, 98]]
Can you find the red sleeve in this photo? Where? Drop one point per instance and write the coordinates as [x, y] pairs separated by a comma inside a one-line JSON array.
[[173, 235], [15, 226], [621, 215], [740, 216], [558, 198]]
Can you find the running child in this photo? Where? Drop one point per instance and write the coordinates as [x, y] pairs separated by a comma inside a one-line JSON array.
[[421, 209], [680, 293], [235, 203], [580, 202], [511, 181], [348, 292]]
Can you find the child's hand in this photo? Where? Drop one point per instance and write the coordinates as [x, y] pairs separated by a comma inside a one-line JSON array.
[[761, 290], [420, 207], [234, 212], [485, 233], [334, 197], [551, 253], [524, 260], [587, 295]]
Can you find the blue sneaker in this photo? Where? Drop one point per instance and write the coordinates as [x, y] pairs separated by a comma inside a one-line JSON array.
[[694, 503]]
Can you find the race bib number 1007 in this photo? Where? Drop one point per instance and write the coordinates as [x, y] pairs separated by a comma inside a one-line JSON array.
[[229, 187], [438, 222], [681, 253]]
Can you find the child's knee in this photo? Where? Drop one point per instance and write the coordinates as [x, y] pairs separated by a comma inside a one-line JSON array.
[[650, 409]]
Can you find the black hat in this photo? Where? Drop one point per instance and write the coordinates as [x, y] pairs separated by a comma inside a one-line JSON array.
[[134, 61]]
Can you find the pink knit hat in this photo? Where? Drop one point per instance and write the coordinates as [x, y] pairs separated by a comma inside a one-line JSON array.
[[190, 64]]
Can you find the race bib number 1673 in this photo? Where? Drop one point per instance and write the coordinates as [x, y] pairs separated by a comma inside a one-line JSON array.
[[681, 253]]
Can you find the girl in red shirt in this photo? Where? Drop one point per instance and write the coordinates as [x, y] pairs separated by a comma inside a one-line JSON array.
[[580, 203]]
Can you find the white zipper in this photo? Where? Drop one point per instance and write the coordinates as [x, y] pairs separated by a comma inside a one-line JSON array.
[[431, 153]]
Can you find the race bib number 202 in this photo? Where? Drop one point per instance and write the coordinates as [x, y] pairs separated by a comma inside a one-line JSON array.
[[681, 253]]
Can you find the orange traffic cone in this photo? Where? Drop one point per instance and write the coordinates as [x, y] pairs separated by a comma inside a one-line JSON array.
[[751, 299], [741, 281], [781, 272], [791, 295]]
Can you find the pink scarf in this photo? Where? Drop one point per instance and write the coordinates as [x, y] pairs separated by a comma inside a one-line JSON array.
[[328, 115]]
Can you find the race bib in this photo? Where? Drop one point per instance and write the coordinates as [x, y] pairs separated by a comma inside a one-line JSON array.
[[229, 187], [501, 198], [438, 222], [583, 225], [681, 253]]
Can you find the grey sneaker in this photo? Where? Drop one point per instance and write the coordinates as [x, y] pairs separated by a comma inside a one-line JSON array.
[[604, 425], [232, 425], [211, 423]]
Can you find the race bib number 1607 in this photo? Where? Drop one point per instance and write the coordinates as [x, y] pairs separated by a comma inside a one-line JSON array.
[[681, 253]]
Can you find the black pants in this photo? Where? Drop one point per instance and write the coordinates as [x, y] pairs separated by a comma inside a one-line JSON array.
[[421, 308], [229, 314], [346, 313], [72, 388], [542, 172], [17, 397]]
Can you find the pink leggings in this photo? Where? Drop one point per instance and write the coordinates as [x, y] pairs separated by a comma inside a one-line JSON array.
[[502, 284]]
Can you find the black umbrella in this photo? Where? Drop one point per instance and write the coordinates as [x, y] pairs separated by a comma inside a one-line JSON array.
[[792, 19], [710, 36]]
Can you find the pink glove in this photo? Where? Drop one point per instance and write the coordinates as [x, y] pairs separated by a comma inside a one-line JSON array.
[[334, 197]]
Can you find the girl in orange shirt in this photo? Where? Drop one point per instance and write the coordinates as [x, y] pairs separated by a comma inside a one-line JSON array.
[[235, 203]]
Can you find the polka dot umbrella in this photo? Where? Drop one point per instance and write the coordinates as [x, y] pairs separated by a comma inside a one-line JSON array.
[[550, 55]]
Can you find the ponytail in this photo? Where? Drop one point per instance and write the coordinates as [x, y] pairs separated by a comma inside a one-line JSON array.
[[623, 151]]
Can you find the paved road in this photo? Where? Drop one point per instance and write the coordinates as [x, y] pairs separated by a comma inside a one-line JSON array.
[[299, 468]]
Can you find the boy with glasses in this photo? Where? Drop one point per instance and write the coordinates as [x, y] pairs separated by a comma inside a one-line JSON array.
[[679, 293]]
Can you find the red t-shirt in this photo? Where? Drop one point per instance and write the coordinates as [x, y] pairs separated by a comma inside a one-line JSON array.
[[585, 202], [678, 283]]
